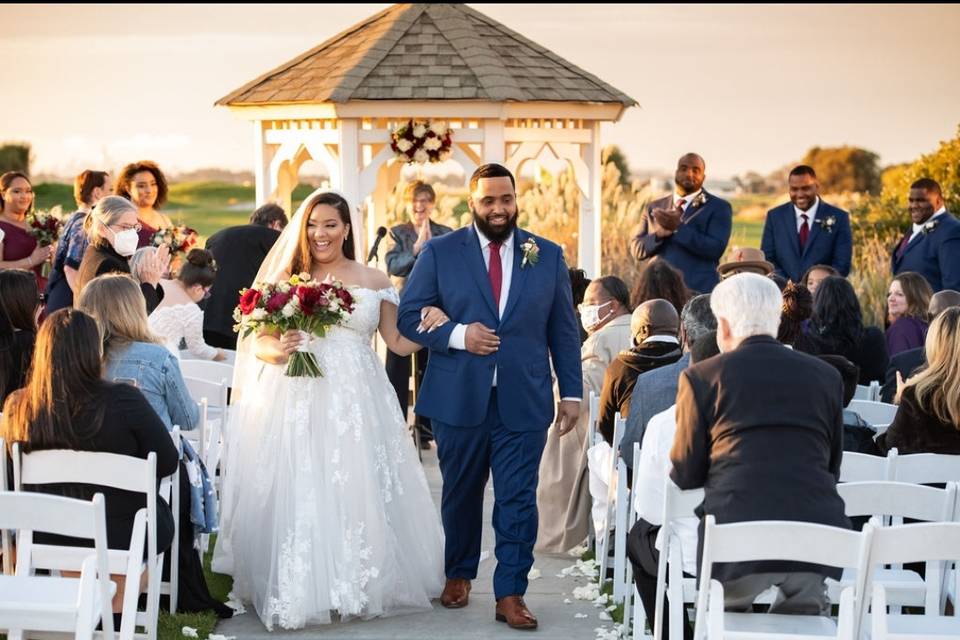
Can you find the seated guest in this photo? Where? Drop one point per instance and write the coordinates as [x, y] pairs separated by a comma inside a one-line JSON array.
[[644, 542], [858, 434], [19, 301], [579, 283], [906, 363], [655, 326], [660, 280], [178, 317], [745, 260], [814, 276], [66, 404], [837, 328], [797, 309], [908, 300], [563, 497], [112, 228], [928, 419], [760, 428], [656, 390]]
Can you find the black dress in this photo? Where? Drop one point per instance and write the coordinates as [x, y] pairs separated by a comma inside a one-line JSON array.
[[101, 259], [16, 352]]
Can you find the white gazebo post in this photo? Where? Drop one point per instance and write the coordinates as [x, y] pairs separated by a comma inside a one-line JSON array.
[[590, 247]]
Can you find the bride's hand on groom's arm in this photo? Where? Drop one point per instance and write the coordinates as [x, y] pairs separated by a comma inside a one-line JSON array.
[[431, 318]]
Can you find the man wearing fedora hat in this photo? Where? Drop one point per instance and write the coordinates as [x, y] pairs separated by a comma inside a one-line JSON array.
[[806, 231], [745, 260]]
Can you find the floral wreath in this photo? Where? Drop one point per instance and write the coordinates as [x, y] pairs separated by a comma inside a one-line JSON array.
[[422, 141]]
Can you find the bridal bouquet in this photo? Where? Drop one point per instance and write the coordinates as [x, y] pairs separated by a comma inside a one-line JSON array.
[[299, 303], [180, 239], [45, 226]]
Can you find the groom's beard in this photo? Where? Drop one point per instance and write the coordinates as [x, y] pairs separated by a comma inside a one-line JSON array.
[[496, 234]]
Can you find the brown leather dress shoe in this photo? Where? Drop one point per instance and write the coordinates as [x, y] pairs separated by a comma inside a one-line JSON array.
[[513, 610], [456, 593]]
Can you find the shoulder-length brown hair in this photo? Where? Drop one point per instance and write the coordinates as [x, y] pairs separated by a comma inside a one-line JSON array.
[[659, 280], [937, 387], [64, 379], [122, 187], [18, 298], [117, 303], [302, 259], [918, 292]]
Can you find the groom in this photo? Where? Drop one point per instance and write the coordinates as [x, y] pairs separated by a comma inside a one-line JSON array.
[[488, 387]]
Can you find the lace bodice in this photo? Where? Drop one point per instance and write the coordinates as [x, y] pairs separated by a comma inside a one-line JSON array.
[[365, 319], [181, 321]]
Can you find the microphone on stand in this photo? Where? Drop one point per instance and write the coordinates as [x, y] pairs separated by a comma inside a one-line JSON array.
[[381, 231]]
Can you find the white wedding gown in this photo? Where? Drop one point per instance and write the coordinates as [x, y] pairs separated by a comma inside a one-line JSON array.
[[326, 510]]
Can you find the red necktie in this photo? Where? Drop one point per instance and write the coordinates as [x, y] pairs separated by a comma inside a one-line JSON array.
[[804, 231], [680, 204], [903, 246], [495, 271]]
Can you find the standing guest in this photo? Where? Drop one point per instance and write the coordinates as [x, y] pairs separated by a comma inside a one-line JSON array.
[[408, 240], [837, 328], [239, 252], [88, 188], [689, 228], [931, 247], [660, 281], [112, 228], [908, 302], [563, 497], [762, 421], [655, 390], [815, 275], [178, 317], [928, 419], [797, 309], [906, 363], [143, 184], [19, 249], [19, 301], [745, 260], [806, 231]]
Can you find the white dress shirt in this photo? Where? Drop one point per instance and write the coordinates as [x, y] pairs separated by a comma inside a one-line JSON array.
[[811, 213], [654, 467], [917, 228], [687, 199]]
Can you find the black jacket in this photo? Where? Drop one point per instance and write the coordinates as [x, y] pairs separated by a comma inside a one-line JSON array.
[[761, 430], [906, 362], [98, 260], [870, 354], [916, 430]]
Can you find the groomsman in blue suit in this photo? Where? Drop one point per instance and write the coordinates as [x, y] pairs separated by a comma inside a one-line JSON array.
[[806, 231], [931, 247], [488, 387], [689, 228]]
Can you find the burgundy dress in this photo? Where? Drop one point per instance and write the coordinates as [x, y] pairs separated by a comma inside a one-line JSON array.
[[17, 245], [145, 235]]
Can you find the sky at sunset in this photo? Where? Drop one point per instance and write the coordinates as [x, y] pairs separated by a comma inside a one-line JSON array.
[[748, 87]]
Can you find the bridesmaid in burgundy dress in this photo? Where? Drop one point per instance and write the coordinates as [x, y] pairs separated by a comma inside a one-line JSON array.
[[18, 249], [143, 184]]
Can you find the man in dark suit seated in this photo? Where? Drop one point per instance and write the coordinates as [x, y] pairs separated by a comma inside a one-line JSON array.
[[689, 228], [906, 363], [931, 247], [239, 252], [806, 231], [760, 428]]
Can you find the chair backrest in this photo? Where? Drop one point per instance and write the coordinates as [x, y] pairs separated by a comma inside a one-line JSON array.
[[619, 425], [878, 414], [208, 370], [899, 499], [927, 468], [869, 392], [678, 503], [863, 467], [593, 416], [214, 392], [5, 548]]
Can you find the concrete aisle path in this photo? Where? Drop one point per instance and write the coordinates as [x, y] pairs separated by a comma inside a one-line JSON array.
[[545, 598]]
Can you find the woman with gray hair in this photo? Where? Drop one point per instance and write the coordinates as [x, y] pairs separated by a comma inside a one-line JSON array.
[[112, 227]]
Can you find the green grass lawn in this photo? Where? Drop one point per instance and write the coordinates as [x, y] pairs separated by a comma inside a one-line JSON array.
[[170, 627]]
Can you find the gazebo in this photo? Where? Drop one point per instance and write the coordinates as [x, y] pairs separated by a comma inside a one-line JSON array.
[[505, 97]]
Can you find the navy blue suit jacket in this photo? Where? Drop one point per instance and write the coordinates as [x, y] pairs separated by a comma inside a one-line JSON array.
[[934, 254], [697, 245], [538, 323], [832, 246]]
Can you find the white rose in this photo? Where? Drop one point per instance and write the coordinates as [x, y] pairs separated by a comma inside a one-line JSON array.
[[432, 144], [289, 310], [419, 130], [284, 287], [259, 314], [404, 145], [421, 156], [439, 128]]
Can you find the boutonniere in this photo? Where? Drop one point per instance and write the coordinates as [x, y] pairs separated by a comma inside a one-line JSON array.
[[827, 223], [531, 252], [700, 200], [929, 226]]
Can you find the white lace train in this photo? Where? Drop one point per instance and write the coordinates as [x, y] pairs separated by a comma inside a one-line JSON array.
[[326, 509]]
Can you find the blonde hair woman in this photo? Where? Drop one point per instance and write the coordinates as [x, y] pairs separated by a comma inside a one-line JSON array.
[[928, 420]]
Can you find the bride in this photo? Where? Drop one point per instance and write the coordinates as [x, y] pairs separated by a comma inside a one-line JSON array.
[[326, 510]]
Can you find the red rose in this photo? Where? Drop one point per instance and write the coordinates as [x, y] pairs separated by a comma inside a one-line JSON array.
[[248, 301], [277, 301], [346, 300], [310, 299]]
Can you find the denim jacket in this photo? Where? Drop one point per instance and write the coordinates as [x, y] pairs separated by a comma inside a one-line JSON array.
[[157, 374]]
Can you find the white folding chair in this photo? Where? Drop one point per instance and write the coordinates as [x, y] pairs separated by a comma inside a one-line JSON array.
[[779, 540], [927, 468], [621, 525], [878, 414], [594, 411], [883, 500], [603, 536], [932, 543], [170, 491], [208, 370], [30, 603], [116, 471], [869, 392], [863, 467], [5, 548]]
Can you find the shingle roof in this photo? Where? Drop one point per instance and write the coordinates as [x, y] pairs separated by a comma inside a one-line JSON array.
[[427, 52]]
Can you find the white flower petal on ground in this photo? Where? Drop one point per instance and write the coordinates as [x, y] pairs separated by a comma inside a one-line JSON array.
[[484, 555], [580, 615], [605, 616], [567, 601], [189, 632], [577, 551], [218, 636], [534, 574]]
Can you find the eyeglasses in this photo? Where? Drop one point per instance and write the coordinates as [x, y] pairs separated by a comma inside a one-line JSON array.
[[127, 227]]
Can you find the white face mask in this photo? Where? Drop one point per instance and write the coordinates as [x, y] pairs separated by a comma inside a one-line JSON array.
[[125, 243], [590, 314]]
